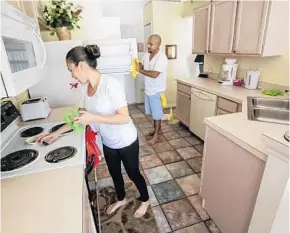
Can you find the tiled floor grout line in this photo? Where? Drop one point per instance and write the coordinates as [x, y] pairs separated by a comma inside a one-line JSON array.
[[163, 164], [174, 179], [165, 218]]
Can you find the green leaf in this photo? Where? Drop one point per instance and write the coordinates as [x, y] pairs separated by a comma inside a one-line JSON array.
[[78, 27], [70, 27], [52, 33]]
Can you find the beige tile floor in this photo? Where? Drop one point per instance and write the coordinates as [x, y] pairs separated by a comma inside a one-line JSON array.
[[172, 171]]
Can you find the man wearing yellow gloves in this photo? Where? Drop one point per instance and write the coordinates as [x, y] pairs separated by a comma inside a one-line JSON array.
[[154, 69]]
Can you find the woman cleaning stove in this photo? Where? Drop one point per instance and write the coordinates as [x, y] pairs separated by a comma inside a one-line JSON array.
[[105, 109]]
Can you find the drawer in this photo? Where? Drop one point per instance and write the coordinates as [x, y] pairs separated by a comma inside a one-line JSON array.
[[184, 88], [239, 108], [222, 112], [227, 105]]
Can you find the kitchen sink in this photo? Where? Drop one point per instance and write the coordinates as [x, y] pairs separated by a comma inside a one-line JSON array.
[[271, 103], [268, 110]]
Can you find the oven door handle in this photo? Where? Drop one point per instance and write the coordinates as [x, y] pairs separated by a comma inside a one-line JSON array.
[[98, 225]]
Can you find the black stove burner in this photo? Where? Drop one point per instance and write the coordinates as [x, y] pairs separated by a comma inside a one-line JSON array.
[[60, 154], [31, 132], [55, 128], [18, 159]]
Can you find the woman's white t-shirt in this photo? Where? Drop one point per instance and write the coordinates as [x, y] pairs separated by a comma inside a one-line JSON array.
[[109, 97]]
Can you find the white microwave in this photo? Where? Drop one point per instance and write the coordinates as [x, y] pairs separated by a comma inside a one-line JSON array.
[[23, 54]]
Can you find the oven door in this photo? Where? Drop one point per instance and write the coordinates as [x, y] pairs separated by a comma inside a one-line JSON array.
[[23, 54], [91, 217]]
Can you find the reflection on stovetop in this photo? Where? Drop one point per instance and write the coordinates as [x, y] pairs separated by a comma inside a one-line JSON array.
[[55, 128], [18, 159], [60, 154], [30, 132]]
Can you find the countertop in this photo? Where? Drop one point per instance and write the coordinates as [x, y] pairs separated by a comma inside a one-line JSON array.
[[236, 126], [48, 201], [55, 115], [236, 94]]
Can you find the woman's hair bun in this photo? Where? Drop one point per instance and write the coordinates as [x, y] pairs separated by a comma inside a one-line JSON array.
[[93, 50]]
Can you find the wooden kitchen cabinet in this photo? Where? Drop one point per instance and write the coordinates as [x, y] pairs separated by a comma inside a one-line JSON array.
[[250, 26], [222, 27], [225, 106], [241, 27], [30, 8], [201, 26], [16, 4], [183, 102], [220, 112], [33, 9], [231, 178]]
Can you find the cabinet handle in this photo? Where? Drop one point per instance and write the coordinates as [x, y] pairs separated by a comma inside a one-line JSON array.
[[205, 51], [209, 51], [234, 51]]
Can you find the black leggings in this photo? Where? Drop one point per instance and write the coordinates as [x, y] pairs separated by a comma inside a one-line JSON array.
[[130, 157]]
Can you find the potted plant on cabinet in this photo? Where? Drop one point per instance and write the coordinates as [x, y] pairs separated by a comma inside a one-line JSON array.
[[62, 17]]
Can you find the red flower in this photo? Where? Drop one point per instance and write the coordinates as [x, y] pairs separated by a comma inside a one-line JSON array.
[[74, 85], [78, 11]]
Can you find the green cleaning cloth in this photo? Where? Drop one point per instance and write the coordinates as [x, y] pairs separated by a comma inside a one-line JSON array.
[[68, 119], [272, 92]]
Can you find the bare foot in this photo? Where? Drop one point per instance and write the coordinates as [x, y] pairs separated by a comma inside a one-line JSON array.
[[151, 133], [153, 140], [141, 210], [112, 208]]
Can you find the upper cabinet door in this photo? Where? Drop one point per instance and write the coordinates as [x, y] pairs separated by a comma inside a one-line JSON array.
[[200, 36], [223, 14], [250, 27]]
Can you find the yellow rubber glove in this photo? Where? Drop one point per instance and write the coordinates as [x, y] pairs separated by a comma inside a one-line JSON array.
[[135, 63], [163, 100]]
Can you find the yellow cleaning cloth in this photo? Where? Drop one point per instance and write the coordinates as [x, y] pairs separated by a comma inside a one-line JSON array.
[[134, 67], [163, 100]]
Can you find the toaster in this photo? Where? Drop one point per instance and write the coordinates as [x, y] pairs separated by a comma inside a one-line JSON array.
[[34, 109]]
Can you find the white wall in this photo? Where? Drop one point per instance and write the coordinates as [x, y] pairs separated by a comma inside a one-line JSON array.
[[130, 13], [98, 22], [90, 24], [174, 30]]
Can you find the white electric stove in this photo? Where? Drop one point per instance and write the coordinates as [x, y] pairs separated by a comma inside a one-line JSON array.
[[20, 158]]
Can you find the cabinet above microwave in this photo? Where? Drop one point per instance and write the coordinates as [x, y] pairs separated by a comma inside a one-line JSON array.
[[23, 53]]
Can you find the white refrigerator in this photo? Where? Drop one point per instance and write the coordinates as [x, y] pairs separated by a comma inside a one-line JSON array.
[[116, 60]]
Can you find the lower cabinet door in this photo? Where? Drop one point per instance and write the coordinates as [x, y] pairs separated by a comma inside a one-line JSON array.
[[183, 107]]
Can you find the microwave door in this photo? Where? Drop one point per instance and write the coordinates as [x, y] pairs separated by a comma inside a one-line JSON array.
[[20, 54], [24, 60]]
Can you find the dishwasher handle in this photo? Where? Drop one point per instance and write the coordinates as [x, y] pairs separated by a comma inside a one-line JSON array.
[[200, 94]]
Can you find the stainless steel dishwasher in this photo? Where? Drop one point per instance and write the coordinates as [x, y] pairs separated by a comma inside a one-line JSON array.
[[203, 104]]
